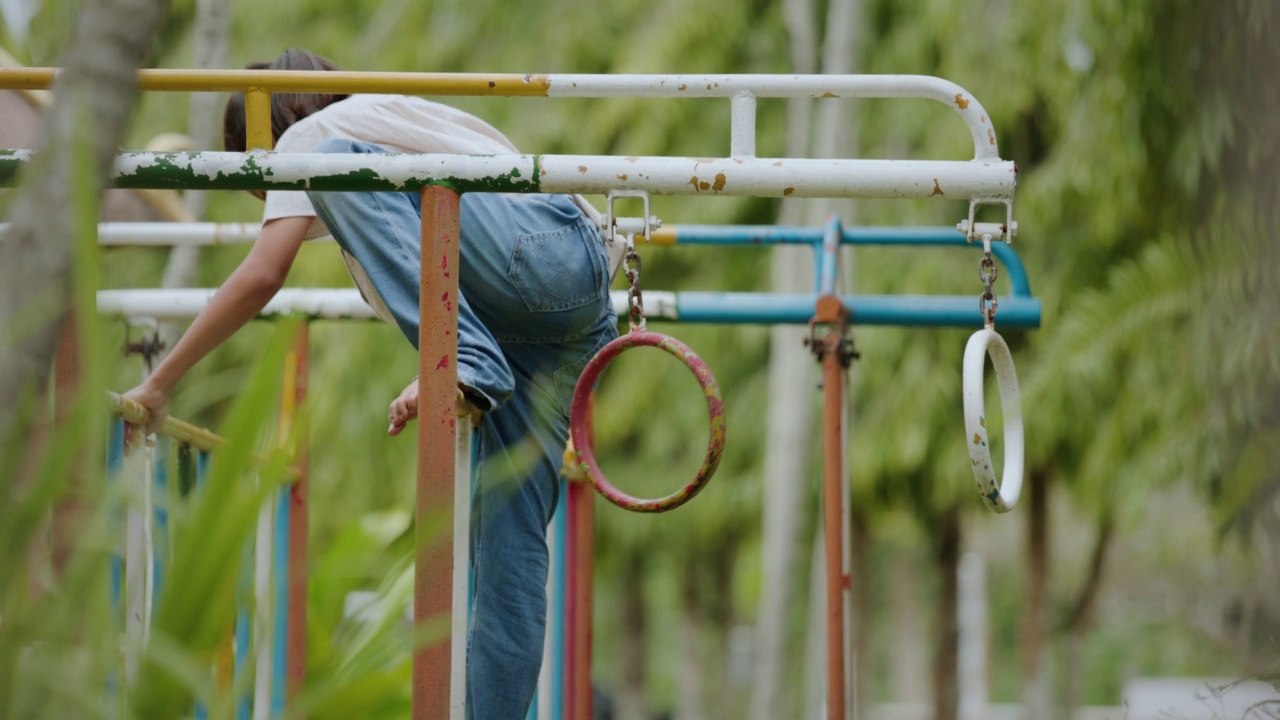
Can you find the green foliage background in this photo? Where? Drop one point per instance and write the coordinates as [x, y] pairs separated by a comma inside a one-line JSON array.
[[1147, 203]]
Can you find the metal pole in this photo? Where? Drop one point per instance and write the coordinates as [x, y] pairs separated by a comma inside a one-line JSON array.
[[437, 420], [66, 386], [297, 362], [462, 481], [832, 349], [581, 561], [833, 436]]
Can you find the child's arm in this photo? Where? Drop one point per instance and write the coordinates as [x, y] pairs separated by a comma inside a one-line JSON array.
[[238, 301]]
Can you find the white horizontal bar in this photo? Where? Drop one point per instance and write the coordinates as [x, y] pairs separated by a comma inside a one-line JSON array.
[[148, 234], [326, 303], [871, 179], [772, 177], [787, 86]]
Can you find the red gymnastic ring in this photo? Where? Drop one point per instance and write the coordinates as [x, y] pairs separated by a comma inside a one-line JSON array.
[[580, 421]]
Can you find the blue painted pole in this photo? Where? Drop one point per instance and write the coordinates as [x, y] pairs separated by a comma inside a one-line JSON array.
[[887, 236], [829, 258], [559, 584], [160, 518], [115, 461], [960, 311], [280, 599]]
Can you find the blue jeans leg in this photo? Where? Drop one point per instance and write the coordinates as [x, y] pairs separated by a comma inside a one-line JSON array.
[[534, 310], [383, 232]]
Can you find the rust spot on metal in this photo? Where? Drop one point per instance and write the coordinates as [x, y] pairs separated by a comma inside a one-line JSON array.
[[704, 185], [738, 161], [829, 95], [787, 191], [977, 439], [683, 87], [708, 86], [937, 189], [991, 136], [719, 184], [582, 168], [962, 102], [622, 176], [983, 119], [493, 84], [444, 363]]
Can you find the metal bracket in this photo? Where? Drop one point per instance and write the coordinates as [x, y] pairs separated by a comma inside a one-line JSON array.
[[975, 231], [615, 226], [829, 331], [149, 346]]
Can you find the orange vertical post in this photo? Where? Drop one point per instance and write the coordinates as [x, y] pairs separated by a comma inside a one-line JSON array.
[[437, 431], [833, 540], [68, 512], [832, 349]]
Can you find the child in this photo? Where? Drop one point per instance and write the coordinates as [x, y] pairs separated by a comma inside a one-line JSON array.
[[534, 308]]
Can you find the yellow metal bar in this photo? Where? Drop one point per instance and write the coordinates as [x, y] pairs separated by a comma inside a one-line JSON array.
[[257, 117], [663, 236], [506, 85], [176, 429]]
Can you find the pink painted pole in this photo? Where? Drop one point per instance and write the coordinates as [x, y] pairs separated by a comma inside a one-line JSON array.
[[437, 429], [581, 561]]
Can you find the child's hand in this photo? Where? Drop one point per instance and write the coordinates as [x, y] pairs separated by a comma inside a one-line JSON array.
[[155, 400], [403, 409]]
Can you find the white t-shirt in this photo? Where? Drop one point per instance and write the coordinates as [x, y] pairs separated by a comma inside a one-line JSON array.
[[398, 123]]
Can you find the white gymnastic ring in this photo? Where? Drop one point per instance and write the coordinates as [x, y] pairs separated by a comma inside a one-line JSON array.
[[1004, 496]]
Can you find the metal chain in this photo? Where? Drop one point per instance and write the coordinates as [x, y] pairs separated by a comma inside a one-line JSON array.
[[987, 273], [634, 299]]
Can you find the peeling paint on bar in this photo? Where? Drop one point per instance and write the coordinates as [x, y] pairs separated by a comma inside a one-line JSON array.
[[686, 307], [881, 179]]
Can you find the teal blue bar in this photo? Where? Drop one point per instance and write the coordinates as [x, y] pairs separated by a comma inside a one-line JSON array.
[[559, 585], [746, 235], [280, 618], [115, 461], [160, 517], [960, 311]]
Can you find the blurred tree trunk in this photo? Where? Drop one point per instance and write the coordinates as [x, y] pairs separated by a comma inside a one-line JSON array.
[[946, 698], [703, 690], [1035, 700], [634, 640], [690, 678], [211, 37], [1083, 612], [790, 369], [789, 420], [907, 659], [93, 101], [860, 563], [717, 598]]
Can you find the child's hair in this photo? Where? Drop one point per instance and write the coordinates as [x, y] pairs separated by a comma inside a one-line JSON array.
[[286, 108]]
